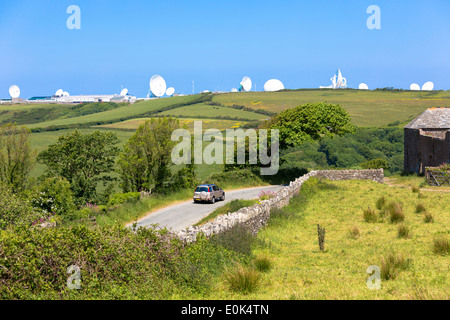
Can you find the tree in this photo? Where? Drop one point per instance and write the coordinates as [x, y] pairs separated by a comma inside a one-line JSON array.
[[310, 121], [83, 160], [145, 159], [16, 156]]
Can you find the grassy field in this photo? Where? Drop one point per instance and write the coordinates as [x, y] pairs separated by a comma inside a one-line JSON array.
[[208, 111], [299, 270], [367, 108], [119, 114], [219, 124]]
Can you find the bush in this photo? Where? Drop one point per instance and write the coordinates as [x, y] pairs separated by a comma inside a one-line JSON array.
[[121, 198], [14, 210], [53, 197], [375, 164]]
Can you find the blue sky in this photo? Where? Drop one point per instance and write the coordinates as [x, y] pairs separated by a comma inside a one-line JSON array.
[[216, 43]]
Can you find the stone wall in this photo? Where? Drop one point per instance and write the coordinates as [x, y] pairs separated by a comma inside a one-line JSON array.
[[257, 216]]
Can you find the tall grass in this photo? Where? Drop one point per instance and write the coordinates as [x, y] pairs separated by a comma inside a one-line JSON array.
[[395, 210], [242, 279], [441, 246], [391, 265], [370, 215]]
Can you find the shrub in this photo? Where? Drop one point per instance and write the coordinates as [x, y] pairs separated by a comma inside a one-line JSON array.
[[14, 210], [370, 215], [375, 164], [392, 264], [53, 197], [404, 231], [121, 198], [354, 232], [395, 210], [263, 264], [441, 246], [420, 208], [428, 217], [415, 189], [242, 279]]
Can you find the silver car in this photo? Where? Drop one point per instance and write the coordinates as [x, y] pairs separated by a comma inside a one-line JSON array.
[[208, 192]]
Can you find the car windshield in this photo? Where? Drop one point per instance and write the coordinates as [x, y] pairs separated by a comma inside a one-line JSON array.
[[201, 189]]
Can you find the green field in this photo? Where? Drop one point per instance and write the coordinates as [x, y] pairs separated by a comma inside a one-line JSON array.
[[367, 108], [301, 271], [208, 111]]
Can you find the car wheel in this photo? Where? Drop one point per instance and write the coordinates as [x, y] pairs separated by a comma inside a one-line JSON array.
[[223, 197], [213, 200]]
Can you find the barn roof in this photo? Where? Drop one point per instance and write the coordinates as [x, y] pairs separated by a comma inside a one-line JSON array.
[[432, 118]]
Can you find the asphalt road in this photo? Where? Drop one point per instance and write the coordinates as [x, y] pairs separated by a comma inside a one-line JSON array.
[[183, 215]]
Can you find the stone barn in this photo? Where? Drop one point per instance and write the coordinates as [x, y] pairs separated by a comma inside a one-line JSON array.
[[427, 140]]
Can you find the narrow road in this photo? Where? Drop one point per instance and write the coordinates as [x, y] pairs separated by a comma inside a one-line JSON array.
[[183, 215]]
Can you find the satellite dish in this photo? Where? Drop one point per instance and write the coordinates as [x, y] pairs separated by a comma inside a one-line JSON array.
[[65, 94], [363, 86], [170, 91], [246, 84], [14, 91], [124, 92], [234, 90], [273, 85], [59, 93], [414, 86], [158, 86], [428, 86]]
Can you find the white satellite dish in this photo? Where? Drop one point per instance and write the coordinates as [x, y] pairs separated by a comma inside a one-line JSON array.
[[414, 87], [158, 86], [363, 86], [273, 85], [124, 92], [59, 93], [234, 90], [65, 94], [14, 91], [428, 86], [246, 84], [170, 91]]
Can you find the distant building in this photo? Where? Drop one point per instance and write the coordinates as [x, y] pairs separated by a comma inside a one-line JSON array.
[[427, 140]]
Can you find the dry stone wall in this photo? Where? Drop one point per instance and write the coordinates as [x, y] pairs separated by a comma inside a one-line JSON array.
[[257, 216]]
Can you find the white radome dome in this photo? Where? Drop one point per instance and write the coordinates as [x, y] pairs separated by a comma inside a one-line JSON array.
[[273, 85]]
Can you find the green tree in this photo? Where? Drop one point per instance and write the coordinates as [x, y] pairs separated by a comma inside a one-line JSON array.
[[146, 158], [310, 121], [83, 160], [16, 156]]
